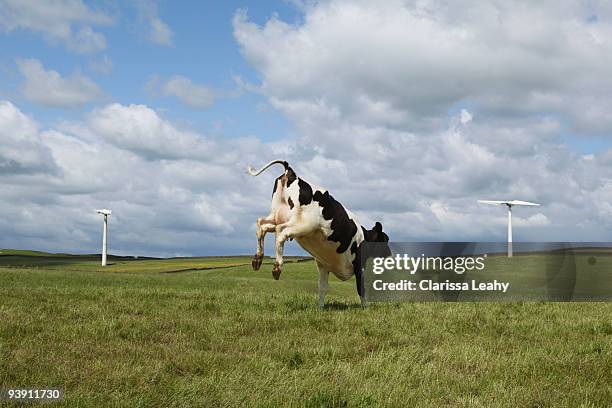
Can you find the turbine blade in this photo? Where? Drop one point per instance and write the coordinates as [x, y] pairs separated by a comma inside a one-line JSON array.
[[519, 202], [492, 202], [509, 202]]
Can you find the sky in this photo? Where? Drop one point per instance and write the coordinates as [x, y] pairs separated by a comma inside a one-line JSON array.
[[408, 112]]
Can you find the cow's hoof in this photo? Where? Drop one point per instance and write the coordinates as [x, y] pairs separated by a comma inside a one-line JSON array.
[[256, 262], [364, 302], [276, 271]]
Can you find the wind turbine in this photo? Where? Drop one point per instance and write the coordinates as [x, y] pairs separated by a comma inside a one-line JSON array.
[[106, 213], [509, 204]]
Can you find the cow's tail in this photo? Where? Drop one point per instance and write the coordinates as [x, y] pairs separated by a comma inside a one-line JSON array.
[[254, 172]]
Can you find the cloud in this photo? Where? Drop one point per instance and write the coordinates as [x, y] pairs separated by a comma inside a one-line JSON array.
[[23, 151], [406, 64], [157, 31], [538, 219], [407, 112], [373, 86], [87, 41], [50, 89], [466, 116], [103, 65], [188, 93], [173, 190], [65, 21], [139, 129], [160, 32], [162, 204]]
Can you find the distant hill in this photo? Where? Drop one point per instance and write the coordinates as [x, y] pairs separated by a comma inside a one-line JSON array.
[[30, 253], [26, 252]]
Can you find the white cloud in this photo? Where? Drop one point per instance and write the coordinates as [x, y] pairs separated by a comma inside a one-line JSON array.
[[406, 64], [65, 21], [173, 190], [139, 129], [156, 30], [191, 94], [23, 150], [538, 219], [162, 203], [49, 88], [466, 116], [86, 41], [103, 65], [371, 85], [160, 32]]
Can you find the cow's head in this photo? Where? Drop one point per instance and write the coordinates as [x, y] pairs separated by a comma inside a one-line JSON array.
[[379, 246], [376, 234]]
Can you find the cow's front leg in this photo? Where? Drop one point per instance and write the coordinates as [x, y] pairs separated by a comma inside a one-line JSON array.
[[284, 232], [359, 280], [264, 224], [323, 283]]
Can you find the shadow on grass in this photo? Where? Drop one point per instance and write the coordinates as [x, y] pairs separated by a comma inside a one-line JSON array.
[[335, 305], [304, 302], [204, 268]]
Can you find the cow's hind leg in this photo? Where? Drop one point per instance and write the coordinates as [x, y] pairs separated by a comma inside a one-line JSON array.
[[264, 224]]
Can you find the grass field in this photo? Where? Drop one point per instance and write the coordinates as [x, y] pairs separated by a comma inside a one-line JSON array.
[[215, 333]]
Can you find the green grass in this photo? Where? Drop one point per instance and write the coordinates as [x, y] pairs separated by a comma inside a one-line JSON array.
[[132, 335]]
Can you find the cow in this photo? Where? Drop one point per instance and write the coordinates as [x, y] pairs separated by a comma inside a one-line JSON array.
[[319, 223]]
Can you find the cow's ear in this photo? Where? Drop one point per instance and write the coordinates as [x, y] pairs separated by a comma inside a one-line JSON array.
[[377, 227]]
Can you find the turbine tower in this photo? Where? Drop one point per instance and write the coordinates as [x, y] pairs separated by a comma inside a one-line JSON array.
[[509, 204], [105, 213]]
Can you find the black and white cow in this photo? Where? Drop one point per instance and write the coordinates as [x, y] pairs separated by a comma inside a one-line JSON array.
[[319, 223]]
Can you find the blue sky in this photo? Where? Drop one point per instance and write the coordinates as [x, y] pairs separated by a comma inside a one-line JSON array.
[[407, 111], [203, 49]]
